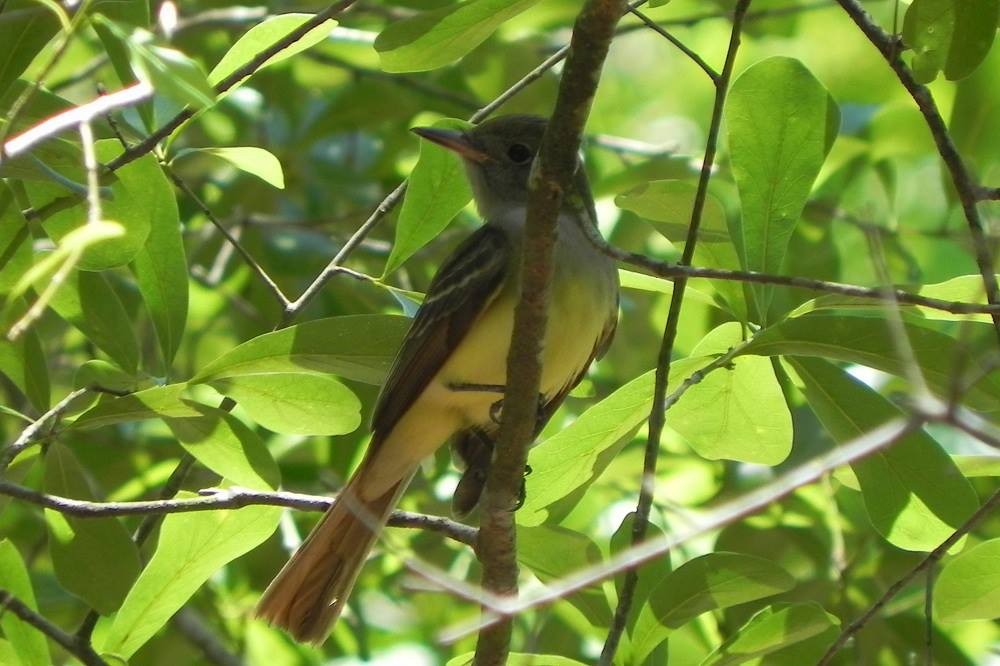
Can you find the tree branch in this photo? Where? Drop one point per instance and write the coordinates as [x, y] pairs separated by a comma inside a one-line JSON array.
[[552, 176], [31, 433], [79, 649], [968, 191], [215, 499], [658, 412]]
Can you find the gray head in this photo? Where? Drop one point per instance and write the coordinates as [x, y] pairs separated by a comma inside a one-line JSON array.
[[498, 154]]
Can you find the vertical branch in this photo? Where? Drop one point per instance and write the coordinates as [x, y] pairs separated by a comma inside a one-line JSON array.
[[657, 414], [552, 176]]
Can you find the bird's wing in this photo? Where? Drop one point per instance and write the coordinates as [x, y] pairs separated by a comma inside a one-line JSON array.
[[467, 282]]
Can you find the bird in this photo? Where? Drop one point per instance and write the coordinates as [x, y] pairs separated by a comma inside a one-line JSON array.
[[447, 379]]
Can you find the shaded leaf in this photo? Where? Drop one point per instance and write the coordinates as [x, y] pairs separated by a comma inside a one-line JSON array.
[[953, 35], [29, 644], [27, 28], [157, 402], [23, 363], [772, 629], [668, 204], [94, 558], [915, 495], [520, 659], [15, 240]]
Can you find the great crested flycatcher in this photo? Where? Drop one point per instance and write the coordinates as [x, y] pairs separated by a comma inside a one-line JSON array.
[[449, 373]]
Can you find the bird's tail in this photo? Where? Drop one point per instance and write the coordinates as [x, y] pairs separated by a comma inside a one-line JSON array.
[[309, 593]]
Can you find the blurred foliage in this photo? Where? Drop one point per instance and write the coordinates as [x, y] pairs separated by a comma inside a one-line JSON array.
[[821, 150]]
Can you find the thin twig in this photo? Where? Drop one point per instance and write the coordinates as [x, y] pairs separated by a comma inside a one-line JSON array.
[[32, 432], [657, 413], [272, 286], [694, 57], [932, 558], [215, 499], [988, 193], [79, 649], [968, 190]]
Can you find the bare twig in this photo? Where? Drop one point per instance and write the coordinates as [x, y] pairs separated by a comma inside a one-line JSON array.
[[552, 175], [694, 57], [32, 432], [932, 558], [79, 649], [272, 286], [966, 187], [988, 193], [51, 127], [215, 499]]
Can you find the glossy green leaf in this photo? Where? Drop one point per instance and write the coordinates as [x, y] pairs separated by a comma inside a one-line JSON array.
[[160, 266], [772, 629], [436, 192], [953, 35], [782, 122], [222, 443], [98, 374], [27, 28], [968, 587], [157, 402], [88, 302], [262, 36], [915, 495], [23, 363], [126, 207], [295, 403], [255, 161], [577, 455], [867, 341], [358, 347], [553, 552], [710, 582], [29, 644], [94, 558], [191, 548], [736, 413], [438, 37], [15, 240], [668, 204]]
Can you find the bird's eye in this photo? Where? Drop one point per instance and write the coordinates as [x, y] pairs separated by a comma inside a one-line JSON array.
[[519, 153]]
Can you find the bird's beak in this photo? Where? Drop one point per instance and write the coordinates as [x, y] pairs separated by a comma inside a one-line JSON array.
[[452, 140]]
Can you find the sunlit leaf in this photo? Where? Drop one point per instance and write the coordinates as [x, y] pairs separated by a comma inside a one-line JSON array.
[[968, 587], [437, 37], [23, 363], [253, 160], [772, 629], [27, 28], [953, 35], [29, 644], [668, 204], [157, 402], [15, 240]]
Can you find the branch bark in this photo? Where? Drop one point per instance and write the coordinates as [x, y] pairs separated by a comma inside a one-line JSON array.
[[76, 647], [552, 176]]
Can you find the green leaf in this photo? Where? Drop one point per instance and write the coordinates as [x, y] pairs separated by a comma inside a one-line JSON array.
[[29, 644], [736, 413], [867, 341], [191, 548], [27, 28], [782, 122], [264, 35], [358, 347], [520, 659], [668, 204], [99, 374], [648, 575], [441, 36], [160, 266], [255, 161], [577, 455], [90, 304], [710, 582], [15, 240], [553, 552], [954, 35], [968, 587], [154, 403], [915, 495], [295, 403], [772, 629], [437, 191], [93, 558], [23, 363], [222, 443], [126, 207]]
